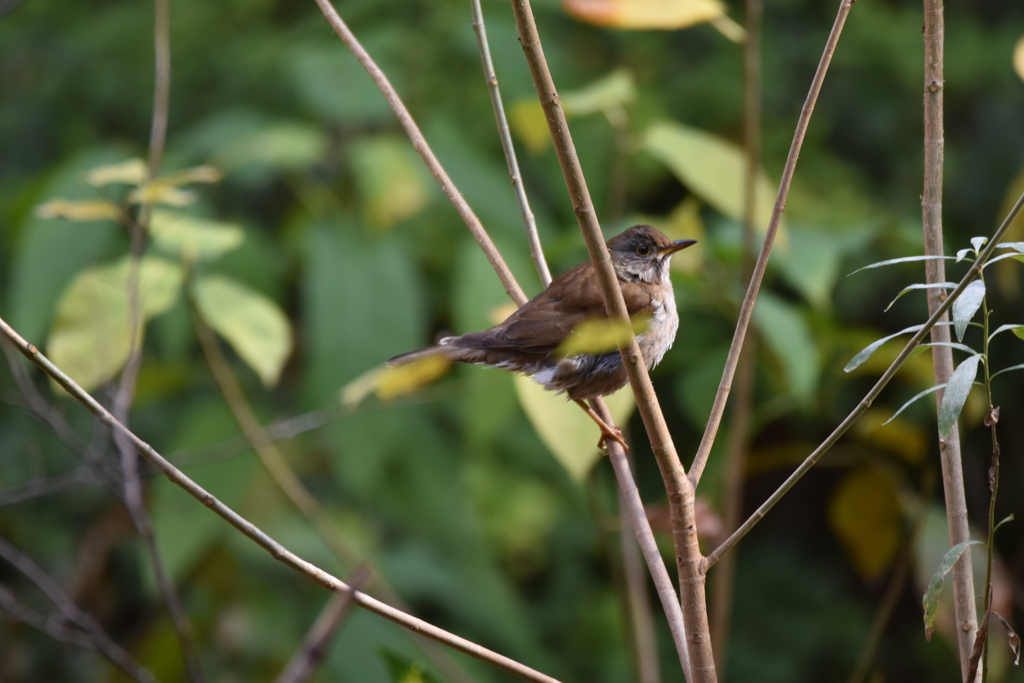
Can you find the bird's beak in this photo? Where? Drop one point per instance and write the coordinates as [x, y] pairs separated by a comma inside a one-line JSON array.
[[677, 245]]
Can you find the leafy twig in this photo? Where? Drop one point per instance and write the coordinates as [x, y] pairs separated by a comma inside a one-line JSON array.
[[747, 307], [866, 402], [276, 550]]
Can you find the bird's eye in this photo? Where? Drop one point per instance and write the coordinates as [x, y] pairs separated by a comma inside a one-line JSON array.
[[643, 250]]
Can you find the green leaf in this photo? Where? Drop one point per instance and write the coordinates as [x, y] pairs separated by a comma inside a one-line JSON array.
[[614, 90], [404, 670], [391, 179], [600, 335], [783, 327], [962, 254], [966, 305], [1009, 369], [91, 335], [931, 595], [1014, 255], [1018, 331], [1016, 246], [812, 260], [712, 167], [930, 390], [192, 237], [128, 172], [281, 147], [952, 345], [866, 352], [79, 210], [957, 389], [911, 288], [565, 429], [253, 324], [903, 259], [978, 243]]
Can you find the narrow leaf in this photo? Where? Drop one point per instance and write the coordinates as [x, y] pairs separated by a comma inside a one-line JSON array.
[[962, 254], [930, 390], [1014, 255], [79, 210], [1016, 246], [911, 288], [957, 389], [978, 243], [253, 324], [1008, 518], [614, 90], [196, 174], [931, 596], [1012, 367], [130, 172], [1012, 637], [1018, 331], [903, 259], [966, 306], [952, 345], [159, 192], [866, 352]]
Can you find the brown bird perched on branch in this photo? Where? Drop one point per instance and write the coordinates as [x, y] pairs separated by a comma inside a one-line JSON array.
[[530, 339]]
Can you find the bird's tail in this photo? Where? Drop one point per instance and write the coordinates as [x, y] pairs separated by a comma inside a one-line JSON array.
[[413, 356]]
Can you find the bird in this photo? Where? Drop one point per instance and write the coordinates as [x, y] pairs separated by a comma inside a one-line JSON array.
[[528, 341]]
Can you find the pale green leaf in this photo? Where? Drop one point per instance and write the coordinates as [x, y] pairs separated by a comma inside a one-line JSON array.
[[783, 327], [195, 174], [253, 324], [283, 147], [930, 390], [978, 243], [565, 429], [957, 389], [159, 192], [391, 179], [866, 352], [1002, 257], [1016, 246], [903, 259], [911, 288], [931, 595], [712, 167], [614, 90], [79, 210], [966, 305], [91, 334], [130, 172], [192, 237], [1009, 369], [962, 254], [1017, 329]]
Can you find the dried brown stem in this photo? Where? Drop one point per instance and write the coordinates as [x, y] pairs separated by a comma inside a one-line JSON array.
[[276, 550], [680, 492], [747, 307], [420, 143], [942, 354]]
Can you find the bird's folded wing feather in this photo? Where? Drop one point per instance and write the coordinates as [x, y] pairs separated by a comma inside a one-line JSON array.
[[545, 321]]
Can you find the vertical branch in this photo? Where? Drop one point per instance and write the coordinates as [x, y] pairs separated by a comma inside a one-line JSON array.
[[505, 135], [747, 307], [942, 354], [680, 491], [735, 471]]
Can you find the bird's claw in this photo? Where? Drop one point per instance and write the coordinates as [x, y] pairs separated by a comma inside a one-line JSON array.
[[614, 433]]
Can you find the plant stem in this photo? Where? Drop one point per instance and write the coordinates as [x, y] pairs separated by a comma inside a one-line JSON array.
[[747, 307], [992, 419]]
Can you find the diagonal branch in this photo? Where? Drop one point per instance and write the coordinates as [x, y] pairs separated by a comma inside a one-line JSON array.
[[276, 550], [420, 143], [747, 307], [866, 402]]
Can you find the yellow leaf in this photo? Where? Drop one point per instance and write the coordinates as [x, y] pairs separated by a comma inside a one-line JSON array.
[[527, 119], [79, 210], [161, 192], [685, 223], [600, 335], [1018, 57], [499, 314], [902, 437], [713, 168], [865, 516], [391, 179], [390, 382], [567, 431], [196, 174], [644, 14], [130, 172]]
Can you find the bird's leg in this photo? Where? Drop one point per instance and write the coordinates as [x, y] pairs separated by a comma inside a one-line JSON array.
[[606, 432]]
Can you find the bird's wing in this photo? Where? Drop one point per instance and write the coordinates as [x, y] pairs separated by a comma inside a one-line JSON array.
[[544, 322]]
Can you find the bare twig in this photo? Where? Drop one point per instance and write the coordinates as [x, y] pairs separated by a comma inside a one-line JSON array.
[[59, 631], [307, 659], [680, 492], [869, 398], [747, 307], [47, 486], [420, 143], [69, 610], [290, 484], [942, 354], [505, 135], [276, 550]]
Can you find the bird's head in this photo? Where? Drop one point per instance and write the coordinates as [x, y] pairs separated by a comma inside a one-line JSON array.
[[643, 253]]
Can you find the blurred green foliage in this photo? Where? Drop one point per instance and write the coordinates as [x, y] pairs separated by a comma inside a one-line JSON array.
[[449, 492]]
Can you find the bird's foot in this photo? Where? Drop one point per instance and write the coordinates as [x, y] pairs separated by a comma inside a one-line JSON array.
[[614, 433]]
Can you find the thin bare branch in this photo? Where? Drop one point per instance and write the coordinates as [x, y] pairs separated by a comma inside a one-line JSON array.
[[104, 644], [276, 550], [942, 354], [47, 486], [59, 631], [505, 135], [680, 492], [869, 398], [747, 307], [420, 143]]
